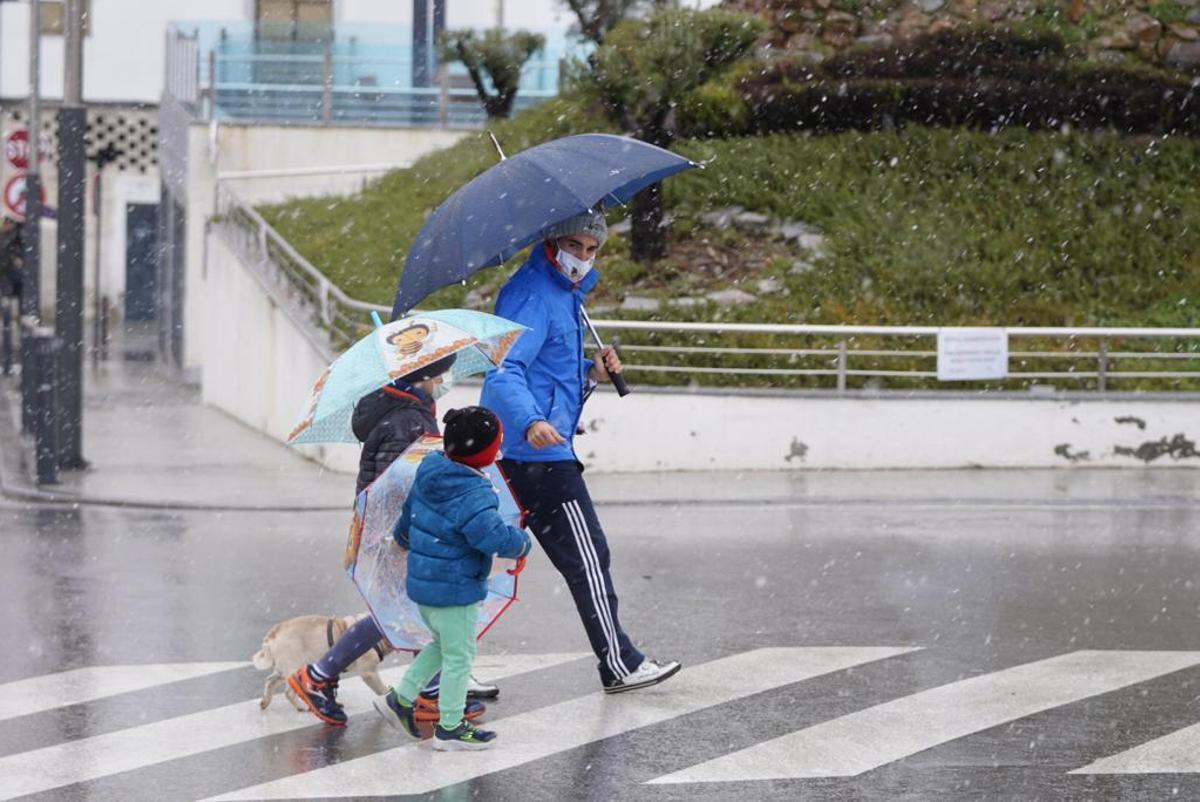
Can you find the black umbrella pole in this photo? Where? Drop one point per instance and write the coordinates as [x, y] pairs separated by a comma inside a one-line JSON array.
[[618, 379]]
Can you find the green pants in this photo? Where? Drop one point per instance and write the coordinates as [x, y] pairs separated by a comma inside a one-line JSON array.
[[452, 652]]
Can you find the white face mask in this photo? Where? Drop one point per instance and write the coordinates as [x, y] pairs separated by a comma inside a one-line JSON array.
[[439, 390], [572, 266]]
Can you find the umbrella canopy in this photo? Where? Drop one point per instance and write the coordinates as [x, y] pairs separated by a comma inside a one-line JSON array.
[[379, 565], [507, 207], [479, 340]]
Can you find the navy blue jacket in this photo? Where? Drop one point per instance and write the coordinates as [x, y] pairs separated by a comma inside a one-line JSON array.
[[451, 526], [544, 376]]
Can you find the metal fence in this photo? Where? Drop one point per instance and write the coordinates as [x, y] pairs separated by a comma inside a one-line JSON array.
[[815, 357]]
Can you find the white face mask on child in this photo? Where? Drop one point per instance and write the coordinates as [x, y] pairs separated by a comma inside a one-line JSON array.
[[572, 266]]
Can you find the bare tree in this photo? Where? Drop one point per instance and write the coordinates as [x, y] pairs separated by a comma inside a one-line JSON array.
[[643, 71], [494, 62], [597, 17]]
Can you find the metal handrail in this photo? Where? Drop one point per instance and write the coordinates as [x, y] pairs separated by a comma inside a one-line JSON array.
[[341, 320]]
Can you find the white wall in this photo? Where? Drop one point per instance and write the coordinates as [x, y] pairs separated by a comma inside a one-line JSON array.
[[683, 431], [265, 147], [122, 57], [257, 366]]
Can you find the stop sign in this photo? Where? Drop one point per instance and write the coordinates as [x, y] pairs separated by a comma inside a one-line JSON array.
[[16, 149]]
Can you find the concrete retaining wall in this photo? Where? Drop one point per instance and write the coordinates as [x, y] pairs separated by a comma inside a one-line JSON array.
[[679, 431], [212, 149], [258, 365]]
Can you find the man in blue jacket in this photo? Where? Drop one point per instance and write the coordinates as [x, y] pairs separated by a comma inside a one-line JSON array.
[[538, 394]]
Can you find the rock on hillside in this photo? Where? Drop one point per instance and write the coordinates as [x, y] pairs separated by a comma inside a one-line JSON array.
[[1165, 33]]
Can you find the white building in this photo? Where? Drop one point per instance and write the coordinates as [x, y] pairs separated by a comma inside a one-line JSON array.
[[186, 91], [123, 59]]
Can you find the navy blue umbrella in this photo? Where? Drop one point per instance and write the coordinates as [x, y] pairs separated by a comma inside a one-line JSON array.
[[504, 209]]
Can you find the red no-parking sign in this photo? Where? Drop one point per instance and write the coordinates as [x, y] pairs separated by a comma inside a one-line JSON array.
[[15, 192]]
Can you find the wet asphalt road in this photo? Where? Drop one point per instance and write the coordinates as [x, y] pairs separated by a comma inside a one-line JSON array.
[[976, 571]]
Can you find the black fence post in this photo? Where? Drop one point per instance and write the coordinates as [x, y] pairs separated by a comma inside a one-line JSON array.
[[46, 353], [6, 336], [28, 376]]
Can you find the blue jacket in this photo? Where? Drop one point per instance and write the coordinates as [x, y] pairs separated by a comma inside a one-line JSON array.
[[544, 376], [452, 527]]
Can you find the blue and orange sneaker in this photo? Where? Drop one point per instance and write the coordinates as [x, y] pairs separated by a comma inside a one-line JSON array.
[[319, 695]]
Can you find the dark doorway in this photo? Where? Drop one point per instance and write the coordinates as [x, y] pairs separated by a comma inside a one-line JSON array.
[[141, 261]]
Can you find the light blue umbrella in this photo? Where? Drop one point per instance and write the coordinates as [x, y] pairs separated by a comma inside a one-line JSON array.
[[396, 349]]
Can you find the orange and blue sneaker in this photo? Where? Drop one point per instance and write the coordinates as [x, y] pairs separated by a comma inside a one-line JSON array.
[[319, 695], [465, 737], [426, 708]]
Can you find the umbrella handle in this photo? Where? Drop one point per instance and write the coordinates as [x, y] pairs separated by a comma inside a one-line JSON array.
[[617, 379], [618, 382]]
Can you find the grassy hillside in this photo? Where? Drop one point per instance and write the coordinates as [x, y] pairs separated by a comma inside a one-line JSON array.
[[920, 226]]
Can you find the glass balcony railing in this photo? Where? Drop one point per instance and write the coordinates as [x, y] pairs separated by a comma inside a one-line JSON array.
[[361, 74]]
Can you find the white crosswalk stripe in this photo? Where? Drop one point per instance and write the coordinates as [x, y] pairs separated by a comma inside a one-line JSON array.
[[864, 740], [1174, 753], [557, 728], [183, 736], [846, 746], [37, 694]]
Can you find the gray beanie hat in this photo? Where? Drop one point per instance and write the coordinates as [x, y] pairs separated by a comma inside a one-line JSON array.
[[591, 223]]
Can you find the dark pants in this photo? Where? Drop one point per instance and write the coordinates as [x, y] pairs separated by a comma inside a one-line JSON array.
[[561, 517], [353, 644]]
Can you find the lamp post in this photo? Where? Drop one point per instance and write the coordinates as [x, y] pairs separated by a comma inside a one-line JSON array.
[[72, 181], [32, 280]]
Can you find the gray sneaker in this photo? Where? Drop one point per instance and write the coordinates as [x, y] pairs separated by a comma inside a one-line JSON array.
[[650, 672]]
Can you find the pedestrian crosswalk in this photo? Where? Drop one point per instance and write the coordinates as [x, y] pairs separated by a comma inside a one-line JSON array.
[[174, 738], [24, 697], [844, 745], [540, 733], [867, 739]]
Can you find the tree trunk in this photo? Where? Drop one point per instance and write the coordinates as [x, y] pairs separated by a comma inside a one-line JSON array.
[[649, 237], [647, 229]]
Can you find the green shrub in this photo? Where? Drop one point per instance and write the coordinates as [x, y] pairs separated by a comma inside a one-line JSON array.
[[983, 79], [1169, 11]]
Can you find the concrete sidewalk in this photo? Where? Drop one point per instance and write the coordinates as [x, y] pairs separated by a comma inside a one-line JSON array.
[[151, 442]]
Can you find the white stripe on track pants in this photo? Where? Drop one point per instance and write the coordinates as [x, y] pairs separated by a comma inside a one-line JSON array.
[[563, 520]]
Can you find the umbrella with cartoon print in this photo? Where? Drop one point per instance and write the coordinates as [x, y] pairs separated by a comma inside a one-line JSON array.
[[479, 340]]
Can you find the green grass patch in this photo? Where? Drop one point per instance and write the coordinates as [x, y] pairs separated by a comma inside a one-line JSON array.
[[923, 226]]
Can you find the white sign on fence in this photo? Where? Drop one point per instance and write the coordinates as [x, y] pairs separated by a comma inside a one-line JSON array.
[[969, 354]]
